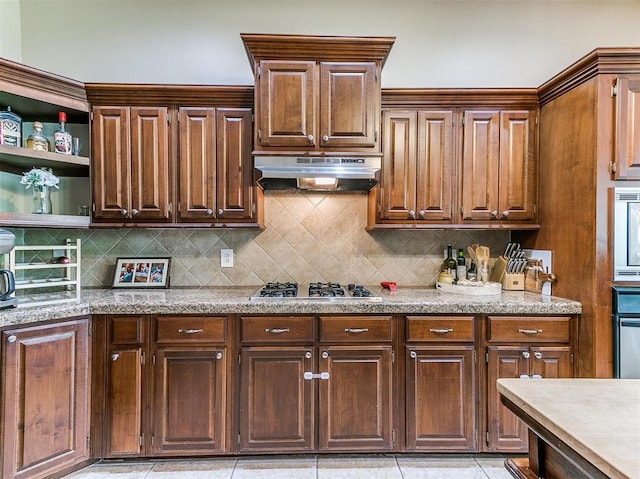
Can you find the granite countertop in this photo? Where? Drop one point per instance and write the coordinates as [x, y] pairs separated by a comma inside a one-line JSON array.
[[598, 418], [235, 300]]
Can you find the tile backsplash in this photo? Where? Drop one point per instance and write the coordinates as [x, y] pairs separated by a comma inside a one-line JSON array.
[[308, 237]]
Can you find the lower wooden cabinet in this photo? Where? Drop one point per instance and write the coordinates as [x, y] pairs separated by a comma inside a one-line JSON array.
[[519, 347], [343, 378], [45, 398], [164, 386], [440, 386]]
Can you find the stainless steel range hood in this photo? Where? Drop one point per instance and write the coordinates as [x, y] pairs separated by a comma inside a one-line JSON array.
[[317, 173]]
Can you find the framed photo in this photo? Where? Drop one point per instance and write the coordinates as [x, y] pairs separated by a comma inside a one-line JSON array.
[[141, 273]]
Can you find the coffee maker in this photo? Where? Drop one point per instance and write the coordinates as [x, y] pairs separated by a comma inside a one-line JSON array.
[[7, 280]]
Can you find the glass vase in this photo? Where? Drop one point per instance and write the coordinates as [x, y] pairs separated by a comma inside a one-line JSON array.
[[42, 200]]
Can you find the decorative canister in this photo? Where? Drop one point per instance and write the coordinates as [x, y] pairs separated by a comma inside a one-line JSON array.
[[10, 128]]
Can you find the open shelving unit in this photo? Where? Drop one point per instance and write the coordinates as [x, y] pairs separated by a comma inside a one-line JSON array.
[[48, 281], [36, 95]]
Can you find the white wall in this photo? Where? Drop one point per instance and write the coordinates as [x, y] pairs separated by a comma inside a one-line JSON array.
[[10, 36], [440, 43]]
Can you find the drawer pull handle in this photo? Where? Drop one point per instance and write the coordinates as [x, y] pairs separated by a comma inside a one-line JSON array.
[[441, 331], [356, 330], [190, 331], [529, 331], [309, 375], [277, 330]]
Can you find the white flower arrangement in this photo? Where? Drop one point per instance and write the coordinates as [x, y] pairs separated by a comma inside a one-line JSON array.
[[39, 177]]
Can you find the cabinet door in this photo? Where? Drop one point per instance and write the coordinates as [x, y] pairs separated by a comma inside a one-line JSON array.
[[551, 362], [398, 179], [235, 186], [45, 399], [349, 105], [441, 398], [480, 163], [355, 401], [518, 178], [434, 164], [111, 163], [189, 401], [287, 108], [505, 432], [276, 403], [197, 164], [150, 164], [627, 129], [124, 388]]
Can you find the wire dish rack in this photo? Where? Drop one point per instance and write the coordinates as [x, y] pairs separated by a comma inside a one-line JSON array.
[[42, 274]]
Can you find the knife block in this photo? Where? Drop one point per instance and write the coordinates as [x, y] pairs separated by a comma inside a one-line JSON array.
[[513, 282]]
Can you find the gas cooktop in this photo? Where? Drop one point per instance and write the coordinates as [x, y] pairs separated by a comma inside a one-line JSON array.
[[326, 291]]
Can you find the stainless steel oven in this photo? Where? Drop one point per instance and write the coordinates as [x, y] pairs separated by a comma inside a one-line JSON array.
[[626, 234], [626, 332]]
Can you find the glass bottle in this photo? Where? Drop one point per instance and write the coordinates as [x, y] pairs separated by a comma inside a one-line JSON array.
[[36, 140], [461, 267], [61, 137], [10, 128], [472, 274], [450, 263]]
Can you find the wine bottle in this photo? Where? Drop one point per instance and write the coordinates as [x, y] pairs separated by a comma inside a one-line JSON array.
[[450, 263], [472, 273], [461, 267]]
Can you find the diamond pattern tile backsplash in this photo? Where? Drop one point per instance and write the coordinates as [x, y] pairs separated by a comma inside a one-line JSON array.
[[308, 237]]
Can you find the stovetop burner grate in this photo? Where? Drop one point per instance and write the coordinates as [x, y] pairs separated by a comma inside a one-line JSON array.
[[317, 290]]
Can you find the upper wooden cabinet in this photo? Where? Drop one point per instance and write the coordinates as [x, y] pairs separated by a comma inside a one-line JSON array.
[[419, 156], [185, 162], [317, 95], [214, 165], [130, 164], [626, 89], [457, 159], [498, 178]]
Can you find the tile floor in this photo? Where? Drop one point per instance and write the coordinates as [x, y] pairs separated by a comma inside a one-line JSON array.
[[305, 467]]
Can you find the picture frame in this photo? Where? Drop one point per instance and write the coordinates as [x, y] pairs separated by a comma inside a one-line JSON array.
[[151, 272]]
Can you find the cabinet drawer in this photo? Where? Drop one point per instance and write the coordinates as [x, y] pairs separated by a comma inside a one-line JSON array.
[[440, 328], [355, 328], [190, 329], [539, 329], [276, 329], [126, 329]]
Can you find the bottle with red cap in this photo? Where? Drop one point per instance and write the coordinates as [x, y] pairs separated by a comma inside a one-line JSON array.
[[61, 137]]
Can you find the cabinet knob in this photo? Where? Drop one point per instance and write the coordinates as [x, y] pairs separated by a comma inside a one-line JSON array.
[[219, 355], [325, 355], [124, 212], [325, 138], [526, 354], [134, 211], [505, 213], [209, 211], [310, 138], [413, 354], [494, 214], [422, 213], [12, 338], [115, 356], [220, 211], [538, 355], [307, 355], [412, 214]]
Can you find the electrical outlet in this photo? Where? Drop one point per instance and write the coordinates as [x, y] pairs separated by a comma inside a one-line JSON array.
[[58, 252], [226, 258]]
